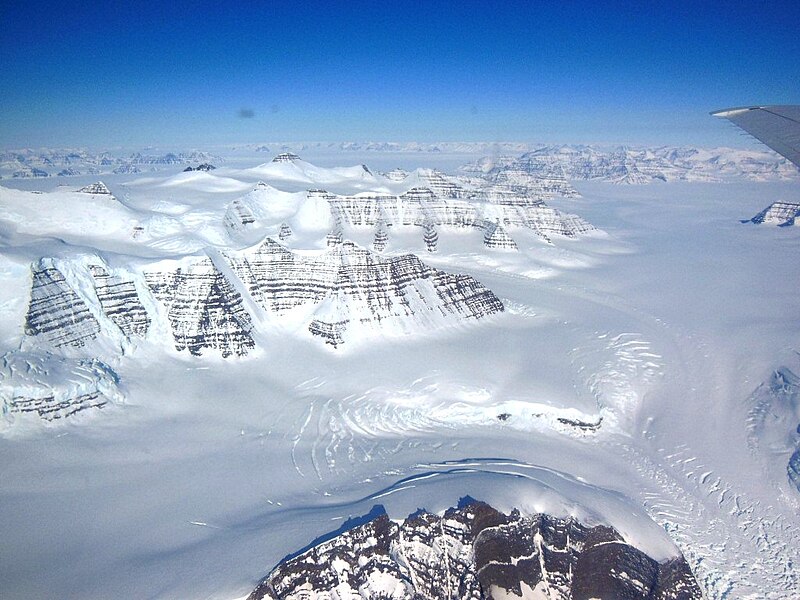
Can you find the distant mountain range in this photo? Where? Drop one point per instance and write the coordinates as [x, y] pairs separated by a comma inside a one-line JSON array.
[[506, 161], [45, 162], [635, 165]]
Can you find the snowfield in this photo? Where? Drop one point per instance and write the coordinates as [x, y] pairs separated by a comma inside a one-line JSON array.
[[625, 382]]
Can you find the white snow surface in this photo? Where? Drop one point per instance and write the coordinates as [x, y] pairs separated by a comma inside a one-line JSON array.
[[659, 328]]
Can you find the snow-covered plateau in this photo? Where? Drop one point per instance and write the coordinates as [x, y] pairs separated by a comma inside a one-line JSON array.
[[289, 380]]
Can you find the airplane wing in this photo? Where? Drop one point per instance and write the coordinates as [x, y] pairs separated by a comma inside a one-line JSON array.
[[777, 126]]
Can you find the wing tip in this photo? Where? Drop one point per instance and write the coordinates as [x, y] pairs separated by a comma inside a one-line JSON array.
[[732, 112]]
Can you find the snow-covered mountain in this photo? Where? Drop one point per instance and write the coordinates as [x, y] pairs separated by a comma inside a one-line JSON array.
[[773, 424], [552, 166], [338, 294], [54, 387], [475, 551], [782, 214]]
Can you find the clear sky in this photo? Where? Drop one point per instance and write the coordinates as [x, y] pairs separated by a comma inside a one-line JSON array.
[[202, 73]]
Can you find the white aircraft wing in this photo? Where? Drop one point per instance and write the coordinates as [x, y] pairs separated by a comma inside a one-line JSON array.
[[776, 126]]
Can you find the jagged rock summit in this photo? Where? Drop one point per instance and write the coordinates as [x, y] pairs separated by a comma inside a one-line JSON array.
[[476, 552], [200, 167], [285, 157], [782, 214], [96, 188]]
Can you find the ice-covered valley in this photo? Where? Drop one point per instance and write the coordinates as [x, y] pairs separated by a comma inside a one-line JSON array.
[[204, 371]]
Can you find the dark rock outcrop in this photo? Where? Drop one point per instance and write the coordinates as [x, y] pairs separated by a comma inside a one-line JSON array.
[[200, 167], [477, 552]]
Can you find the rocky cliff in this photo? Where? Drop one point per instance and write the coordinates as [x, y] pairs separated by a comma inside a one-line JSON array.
[[783, 214], [477, 552], [348, 287]]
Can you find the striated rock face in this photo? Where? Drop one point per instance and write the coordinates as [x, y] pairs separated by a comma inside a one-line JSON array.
[[782, 214], [441, 186], [397, 174], [430, 236], [238, 216], [477, 552], [120, 302], [203, 308], [419, 206], [56, 312], [285, 157], [285, 232], [381, 236], [495, 236], [354, 287], [96, 188], [53, 388]]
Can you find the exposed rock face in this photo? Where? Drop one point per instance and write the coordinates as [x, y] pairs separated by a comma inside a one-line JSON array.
[[54, 387], [381, 237], [126, 169], [339, 292], [238, 216], [200, 167], [495, 236], [531, 178], [285, 157], [29, 173], [56, 312], [353, 286], [430, 237], [440, 185], [477, 552], [419, 206], [120, 302], [203, 308], [285, 232], [782, 214], [396, 174], [96, 188]]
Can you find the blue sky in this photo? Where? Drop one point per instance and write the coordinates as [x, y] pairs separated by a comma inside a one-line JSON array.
[[202, 73]]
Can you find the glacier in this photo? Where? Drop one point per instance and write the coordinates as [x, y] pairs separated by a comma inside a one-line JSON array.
[[203, 372]]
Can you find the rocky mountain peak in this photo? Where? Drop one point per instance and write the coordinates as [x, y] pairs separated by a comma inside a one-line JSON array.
[[475, 551]]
